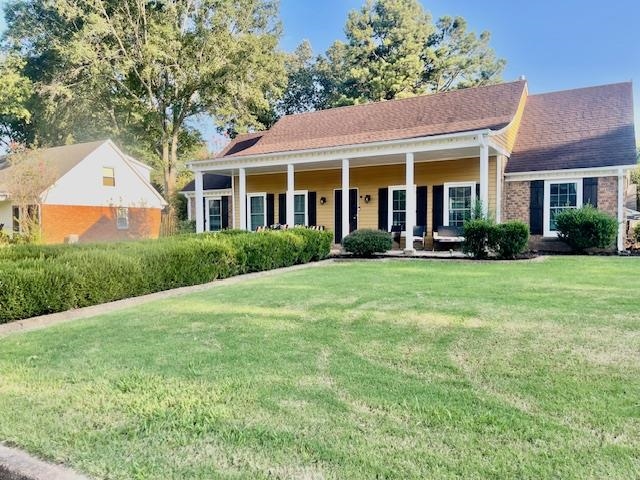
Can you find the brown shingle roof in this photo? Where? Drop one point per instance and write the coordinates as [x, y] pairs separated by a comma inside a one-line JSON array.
[[59, 159], [488, 107], [586, 127]]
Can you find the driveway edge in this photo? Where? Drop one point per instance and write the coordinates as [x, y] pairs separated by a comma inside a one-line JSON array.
[[18, 465]]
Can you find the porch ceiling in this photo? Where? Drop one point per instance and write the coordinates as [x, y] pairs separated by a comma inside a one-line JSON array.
[[393, 159]]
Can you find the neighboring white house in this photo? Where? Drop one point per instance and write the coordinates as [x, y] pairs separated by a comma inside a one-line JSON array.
[[97, 193]]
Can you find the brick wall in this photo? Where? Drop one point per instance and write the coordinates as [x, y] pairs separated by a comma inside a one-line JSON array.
[[517, 196], [608, 195], [96, 224]]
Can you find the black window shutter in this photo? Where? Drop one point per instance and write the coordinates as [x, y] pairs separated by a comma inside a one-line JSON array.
[[421, 206], [337, 214], [383, 209], [478, 192], [438, 206], [536, 208], [590, 191], [270, 208], [282, 208], [225, 212], [311, 208]]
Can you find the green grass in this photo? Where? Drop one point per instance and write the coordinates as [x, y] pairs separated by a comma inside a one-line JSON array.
[[397, 369]]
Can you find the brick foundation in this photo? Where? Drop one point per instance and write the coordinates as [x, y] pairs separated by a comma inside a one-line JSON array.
[[96, 224]]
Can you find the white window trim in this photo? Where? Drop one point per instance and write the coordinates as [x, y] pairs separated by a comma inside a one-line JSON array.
[[393, 188], [306, 205], [547, 202], [447, 186], [207, 212], [249, 197]]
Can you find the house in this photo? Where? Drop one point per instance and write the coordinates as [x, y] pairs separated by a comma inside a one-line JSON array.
[[217, 201], [95, 193], [423, 161]]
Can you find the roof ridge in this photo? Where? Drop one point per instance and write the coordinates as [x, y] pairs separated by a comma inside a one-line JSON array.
[[398, 100], [590, 87]]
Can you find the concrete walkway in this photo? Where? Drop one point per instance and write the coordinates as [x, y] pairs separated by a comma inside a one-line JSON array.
[[17, 465], [36, 323]]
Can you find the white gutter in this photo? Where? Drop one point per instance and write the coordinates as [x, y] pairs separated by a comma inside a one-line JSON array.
[[339, 152], [606, 171]]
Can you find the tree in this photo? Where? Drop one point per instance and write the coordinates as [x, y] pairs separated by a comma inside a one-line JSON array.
[[393, 50], [15, 90], [29, 177], [146, 68], [457, 58]]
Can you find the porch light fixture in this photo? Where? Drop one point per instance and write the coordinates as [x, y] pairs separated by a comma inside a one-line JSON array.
[[323, 200], [367, 198]]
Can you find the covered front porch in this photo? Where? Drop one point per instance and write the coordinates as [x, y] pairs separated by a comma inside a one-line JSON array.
[[426, 183]]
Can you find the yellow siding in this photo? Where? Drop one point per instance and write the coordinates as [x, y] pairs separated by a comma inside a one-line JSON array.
[[507, 139], [368, 180]]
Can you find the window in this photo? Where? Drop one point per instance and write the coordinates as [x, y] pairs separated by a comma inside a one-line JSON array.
[[558, 196], [257, 210], [16, 219], [300, 208], [122, 218], [397, 207], [458, 203], [215, 214], [108, 177]]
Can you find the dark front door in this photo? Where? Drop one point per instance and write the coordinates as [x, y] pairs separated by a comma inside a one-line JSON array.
[[353, 212]]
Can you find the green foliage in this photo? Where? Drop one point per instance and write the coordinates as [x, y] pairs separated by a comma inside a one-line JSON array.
[[186, 226], [586, 227], [477, 233], [138, 72], [392, 50], [636, 233], [509, 239], [36, 280], [365, 242]]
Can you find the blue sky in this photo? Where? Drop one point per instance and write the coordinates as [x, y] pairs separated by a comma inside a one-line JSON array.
[[556, 44]]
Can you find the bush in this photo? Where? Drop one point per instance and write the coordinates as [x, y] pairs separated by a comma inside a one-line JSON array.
[[509, 239], [36, 280], [585, 228], [636, 233], [366, 242], [477, 233]]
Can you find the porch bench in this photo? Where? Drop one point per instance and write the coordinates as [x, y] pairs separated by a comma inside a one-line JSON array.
[[447, 235]]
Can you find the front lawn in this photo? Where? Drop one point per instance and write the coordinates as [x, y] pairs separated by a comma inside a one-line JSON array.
[[395, 369]]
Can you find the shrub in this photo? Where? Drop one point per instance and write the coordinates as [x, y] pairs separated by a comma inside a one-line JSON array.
[[186, 226], [509, 239], [36, 280], [586, 227], [366, 242], [636, 233], [477, 233]]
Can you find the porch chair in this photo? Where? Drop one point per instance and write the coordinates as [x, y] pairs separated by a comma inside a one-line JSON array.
[[396, 234], [419, 232]]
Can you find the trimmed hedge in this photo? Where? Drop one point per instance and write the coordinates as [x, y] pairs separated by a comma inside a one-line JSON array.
[[586, 227], [477, 233], [36, 280], [365, 242]]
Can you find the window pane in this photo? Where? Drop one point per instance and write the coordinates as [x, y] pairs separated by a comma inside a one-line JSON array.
[[256, 212], [562, 196], [460, 199], [399, 208], [215, 215]]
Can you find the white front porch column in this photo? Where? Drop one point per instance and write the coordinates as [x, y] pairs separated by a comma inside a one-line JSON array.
[[242, 197], [621, 222], [499, 183], [189, 207], [484, 174], [199, 203], [291, 188], [410, 218], [345, 198]]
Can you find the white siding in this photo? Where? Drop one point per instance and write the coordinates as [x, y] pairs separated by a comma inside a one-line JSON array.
[[6, 216], [82, 185]]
